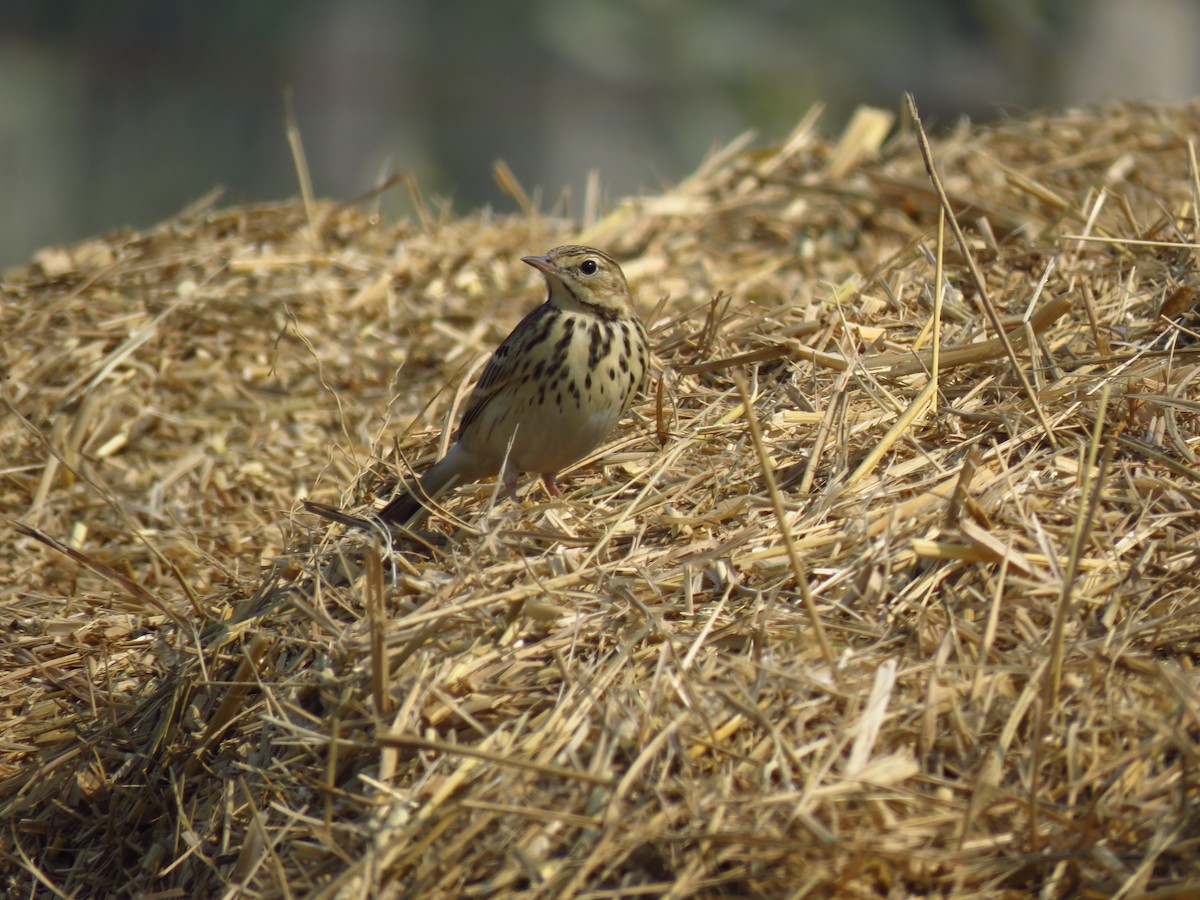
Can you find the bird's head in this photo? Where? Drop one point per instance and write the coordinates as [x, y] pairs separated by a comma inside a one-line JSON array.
[[584, 279]]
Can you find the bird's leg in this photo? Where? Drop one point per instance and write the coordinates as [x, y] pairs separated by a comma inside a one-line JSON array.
[[551, 484], [510, 484]]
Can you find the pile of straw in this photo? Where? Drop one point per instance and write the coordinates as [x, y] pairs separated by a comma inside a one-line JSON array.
[[820, 617]]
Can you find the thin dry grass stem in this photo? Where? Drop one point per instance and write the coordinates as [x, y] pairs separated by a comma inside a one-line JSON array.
[[904, 421], [939, 288], [1094, 469], [834, 411], [799, 571], [382, 186], [407, 740], [1098, 335], [1132, 242], [128, 585], [972, 267], [231, 703], [591, 199], [507, 181], [426, 218], [303, 175], [380, 675], [623, 692]]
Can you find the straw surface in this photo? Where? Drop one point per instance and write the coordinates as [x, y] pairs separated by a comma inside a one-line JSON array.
[[624, 693]]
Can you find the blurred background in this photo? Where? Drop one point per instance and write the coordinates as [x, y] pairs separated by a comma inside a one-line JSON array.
[[121, 113]]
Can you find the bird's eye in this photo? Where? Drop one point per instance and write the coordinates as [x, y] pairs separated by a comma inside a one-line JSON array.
[[588, 267]]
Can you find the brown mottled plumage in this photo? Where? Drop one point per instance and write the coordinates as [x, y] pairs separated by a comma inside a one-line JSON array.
[[555, 388]]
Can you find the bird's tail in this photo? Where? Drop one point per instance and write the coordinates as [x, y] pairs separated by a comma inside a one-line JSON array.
[[400, 509], [456, 465]]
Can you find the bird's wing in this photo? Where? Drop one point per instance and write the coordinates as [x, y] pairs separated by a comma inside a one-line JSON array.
[[503, 365]]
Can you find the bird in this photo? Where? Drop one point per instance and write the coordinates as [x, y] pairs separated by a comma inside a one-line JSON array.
[[554, 388]]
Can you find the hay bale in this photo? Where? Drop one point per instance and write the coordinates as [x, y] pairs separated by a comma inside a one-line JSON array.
[[625, 692]]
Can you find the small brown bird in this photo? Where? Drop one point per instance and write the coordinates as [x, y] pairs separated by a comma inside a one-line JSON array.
[[555, 388]]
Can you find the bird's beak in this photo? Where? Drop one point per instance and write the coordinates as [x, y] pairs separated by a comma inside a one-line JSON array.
[[542, 264]]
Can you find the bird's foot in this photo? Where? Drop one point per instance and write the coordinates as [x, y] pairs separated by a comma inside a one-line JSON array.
[[510, 486]]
